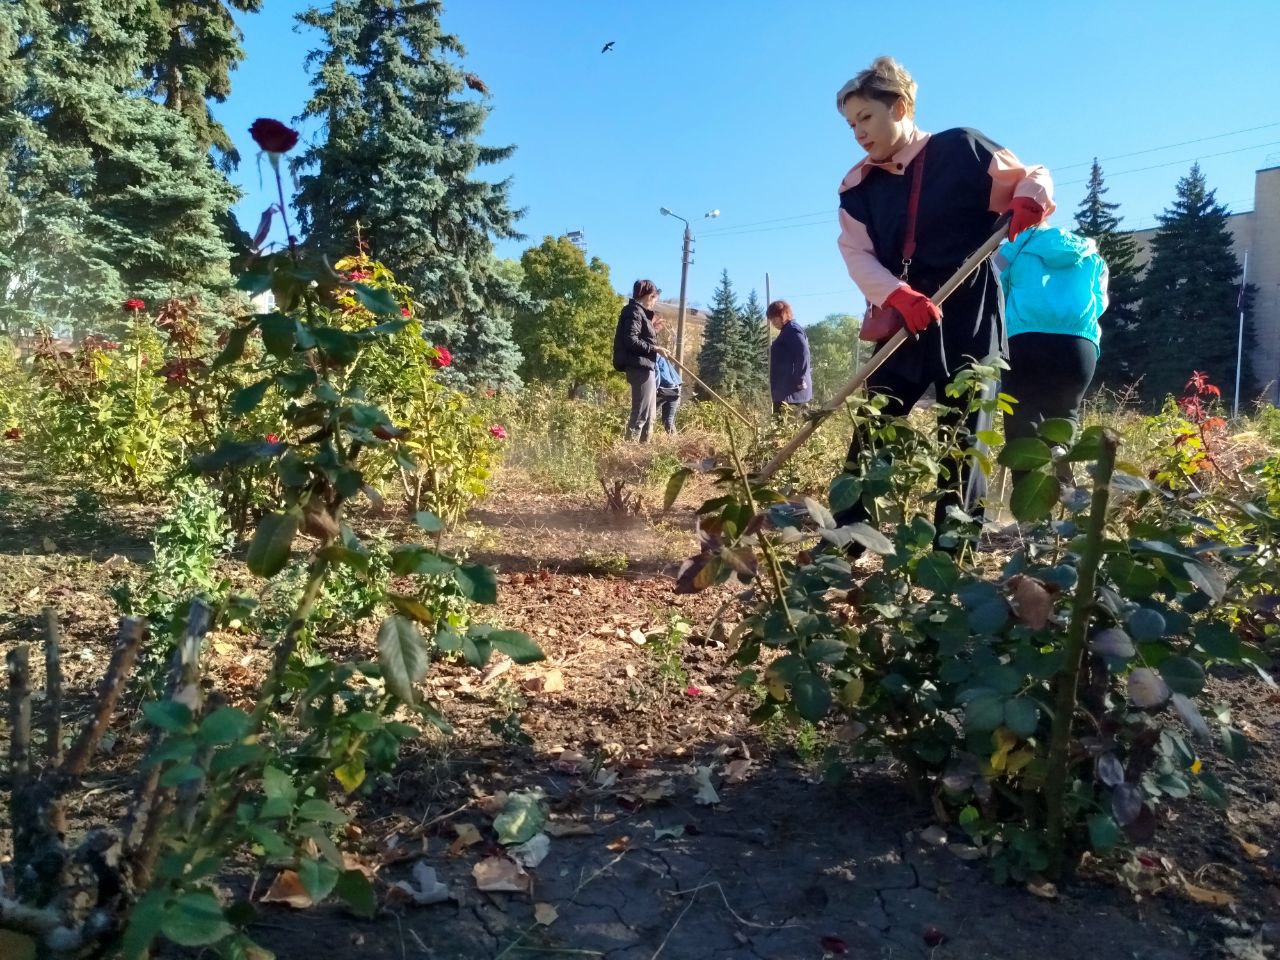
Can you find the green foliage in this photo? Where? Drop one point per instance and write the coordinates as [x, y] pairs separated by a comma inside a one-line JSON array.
[[565, 331], [754, 337], [396, 160], [722, 362], [558, 441], [1096, 218], [1189, 294], [954, 669], [833, 350]]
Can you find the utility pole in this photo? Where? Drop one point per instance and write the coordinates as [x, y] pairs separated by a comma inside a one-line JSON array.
[[685, 260], [1244, 280]]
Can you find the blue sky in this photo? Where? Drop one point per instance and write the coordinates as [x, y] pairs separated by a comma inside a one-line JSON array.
[[730, 105]]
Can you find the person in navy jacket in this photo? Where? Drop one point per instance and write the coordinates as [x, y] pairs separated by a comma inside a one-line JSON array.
[[790, 371]]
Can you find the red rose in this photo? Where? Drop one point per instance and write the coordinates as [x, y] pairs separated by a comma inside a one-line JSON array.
[[498, 431], [271, 438], [273, 136], [134, 303], [404, 311], [355, 275], [13, 433], [443, 357]]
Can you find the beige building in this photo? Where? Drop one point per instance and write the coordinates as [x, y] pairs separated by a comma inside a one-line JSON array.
[[1257, 233]]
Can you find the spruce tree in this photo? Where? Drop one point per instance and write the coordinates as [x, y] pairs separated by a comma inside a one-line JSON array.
[[398, 155], [720, 361], [566, 330], [195, 44], [1096, 218], [115, 196], [1188, 316], [754, 339]]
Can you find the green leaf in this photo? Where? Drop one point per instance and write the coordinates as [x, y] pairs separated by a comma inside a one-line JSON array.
[[236, 453], [1183, 675], [520, 819], [272, 542], [411, 607], [516, 645], [846, 491], [318, 878], [183, 773], [144, 926], [1234, 744], [1021, 716], [1104, 833], [321, 811], [984, 713], [811, 695], [336, 344], [478, 583], [376, 299], [937, 572], [279, 334], [674, 485], [1146, 624], [1218, 640], [1057, 430], [236, 342], [168, 715], [428, 521], [1034, 495], [1089, 446], [403, 655], [871, 538], [246, 398], [354, 889], [224, 725], [1025, 453], [195, 920], [826, 650], [280, 792]]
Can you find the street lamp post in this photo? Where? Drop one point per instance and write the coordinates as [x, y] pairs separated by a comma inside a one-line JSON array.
[[685, 260]]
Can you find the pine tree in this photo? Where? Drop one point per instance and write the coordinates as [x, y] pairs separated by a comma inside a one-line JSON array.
[[398, 155], [115, 197], [720, 362], [566, 330], [194, 47], [1188, 317], [754, 339], [1096, 218]]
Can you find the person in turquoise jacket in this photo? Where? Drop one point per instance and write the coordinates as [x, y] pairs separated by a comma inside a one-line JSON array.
[[1055, 289]]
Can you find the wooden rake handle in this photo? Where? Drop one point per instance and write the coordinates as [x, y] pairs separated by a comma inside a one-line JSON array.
[[723, 402], [880, 356]]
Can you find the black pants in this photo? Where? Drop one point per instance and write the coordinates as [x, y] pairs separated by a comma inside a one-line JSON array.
[[903, 391], [1048, 376]]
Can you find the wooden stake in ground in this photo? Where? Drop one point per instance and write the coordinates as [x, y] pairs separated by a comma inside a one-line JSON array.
[[880, 356]]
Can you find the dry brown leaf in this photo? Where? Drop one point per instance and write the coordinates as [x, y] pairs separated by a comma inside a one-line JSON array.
[[287, 888], [497, 670], [500, 875], [619, 845], [351, 862], [545, 914], [493, 805], [1252, 850], [466, 835], [1043, 888], [553, 682], [570, 761], [1206, 895], [1031, 601], [736, 771], [569, 829], [635, 636]]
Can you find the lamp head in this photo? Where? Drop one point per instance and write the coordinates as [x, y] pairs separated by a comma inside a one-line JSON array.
[[664, 211]]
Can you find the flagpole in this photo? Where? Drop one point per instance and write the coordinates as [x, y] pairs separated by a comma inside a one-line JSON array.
[[1244, 274]]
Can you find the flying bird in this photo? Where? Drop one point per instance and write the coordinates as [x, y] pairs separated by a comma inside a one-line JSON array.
[[607, 47], [476, 84]]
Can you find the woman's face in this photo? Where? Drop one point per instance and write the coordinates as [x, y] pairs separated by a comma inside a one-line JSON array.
[[649, 301], [879, 128]]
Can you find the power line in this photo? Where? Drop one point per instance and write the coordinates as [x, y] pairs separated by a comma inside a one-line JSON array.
[[1157, 166], [738, 229]]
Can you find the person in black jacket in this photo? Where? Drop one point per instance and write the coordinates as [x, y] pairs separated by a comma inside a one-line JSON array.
[[635, 351], [790, 373], [968, 183]]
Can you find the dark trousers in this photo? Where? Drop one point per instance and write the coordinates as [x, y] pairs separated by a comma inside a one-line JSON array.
[[903, 392], [1048, 376], [667, 412], [644, 386]]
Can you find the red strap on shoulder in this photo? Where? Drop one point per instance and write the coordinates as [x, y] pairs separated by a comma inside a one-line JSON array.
[[913, 205]]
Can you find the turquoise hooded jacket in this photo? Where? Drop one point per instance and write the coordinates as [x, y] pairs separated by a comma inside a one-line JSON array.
[[1054, 281]]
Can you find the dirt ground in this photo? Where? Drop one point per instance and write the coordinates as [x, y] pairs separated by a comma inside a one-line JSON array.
[[622, 723]]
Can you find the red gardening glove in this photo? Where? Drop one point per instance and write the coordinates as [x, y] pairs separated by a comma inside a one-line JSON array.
[[1024, 212], [917, 310]]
